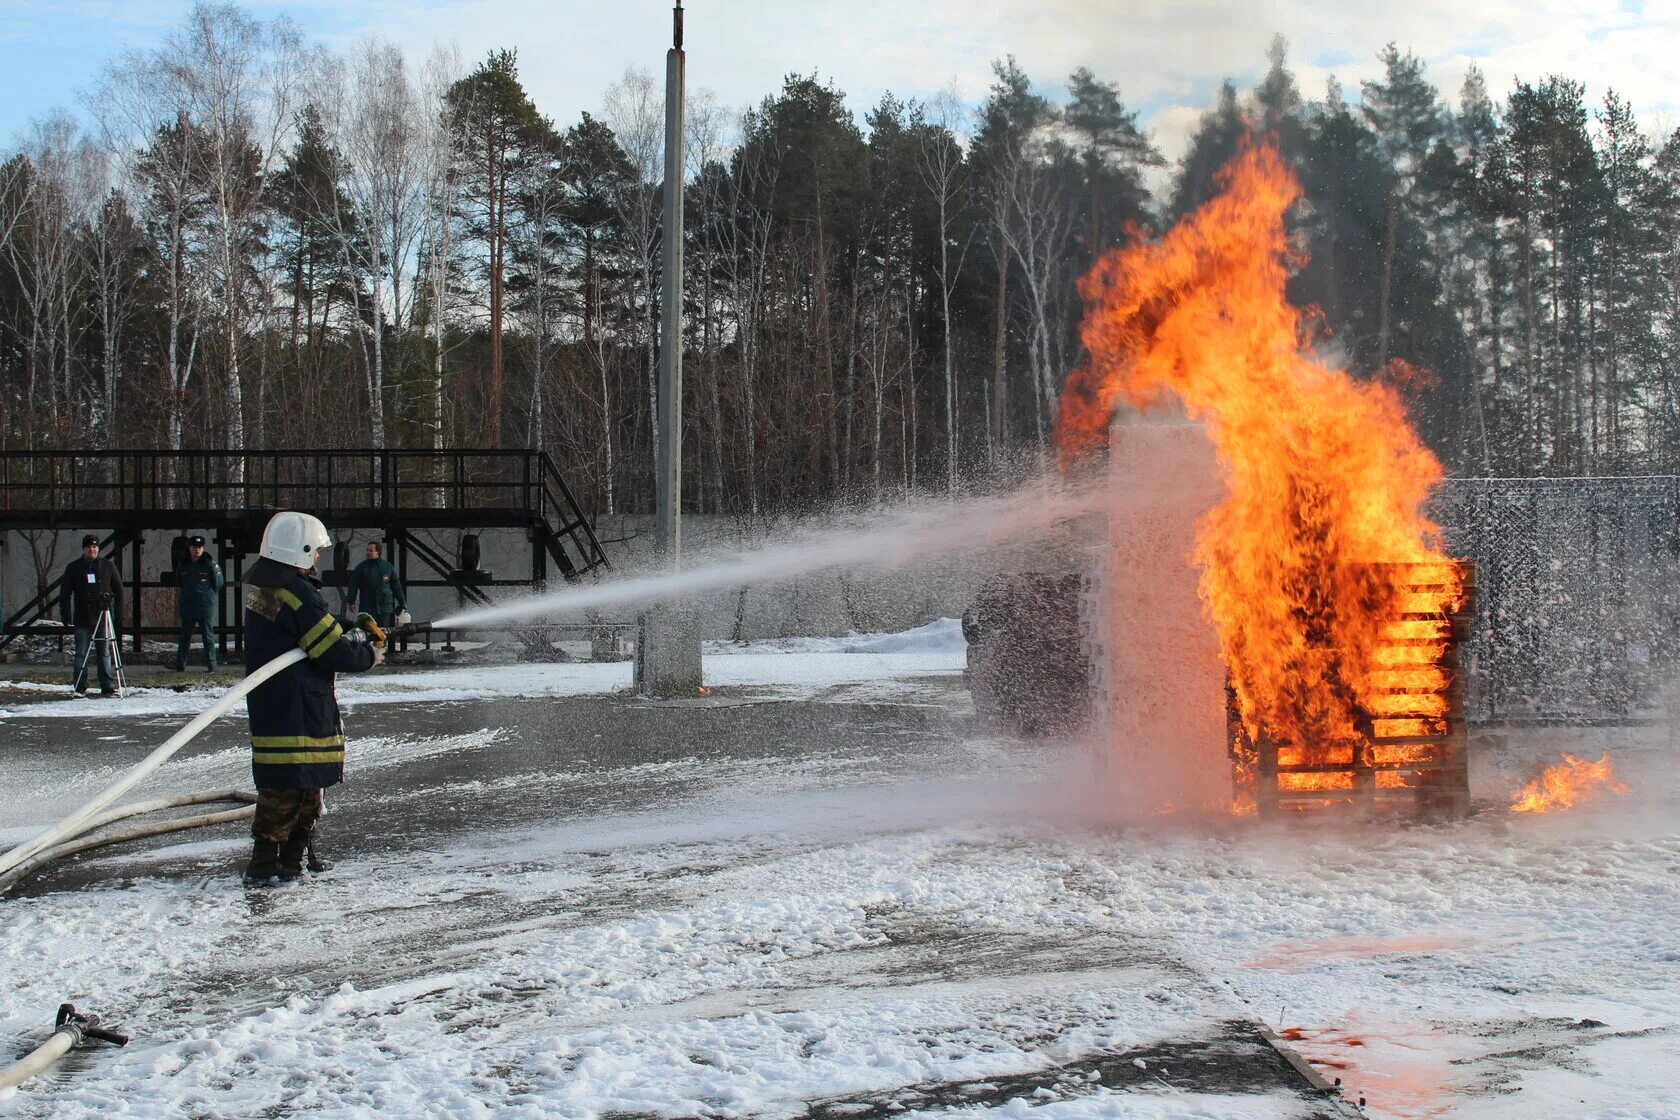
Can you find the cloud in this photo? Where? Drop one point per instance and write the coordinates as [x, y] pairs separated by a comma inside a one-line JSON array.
[[1155, 50], [1167, 58]]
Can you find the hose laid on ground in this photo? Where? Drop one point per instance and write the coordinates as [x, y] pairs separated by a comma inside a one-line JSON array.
[[179, 801], [38, 1059], [71, 1030], [76, 822], [139, 832]]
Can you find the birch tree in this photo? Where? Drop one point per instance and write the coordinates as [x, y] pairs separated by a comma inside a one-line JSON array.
[[944, 174], [375, 122], [241, 79], [635, 111]]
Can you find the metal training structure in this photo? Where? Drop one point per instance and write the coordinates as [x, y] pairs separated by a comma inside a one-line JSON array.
[[403, 496]]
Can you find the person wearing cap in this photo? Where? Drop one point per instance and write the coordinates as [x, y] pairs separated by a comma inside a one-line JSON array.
[[90, 587], [297, 733], [199, 581]]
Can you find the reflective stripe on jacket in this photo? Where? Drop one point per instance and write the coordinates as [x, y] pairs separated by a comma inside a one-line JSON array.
[[297, 735]]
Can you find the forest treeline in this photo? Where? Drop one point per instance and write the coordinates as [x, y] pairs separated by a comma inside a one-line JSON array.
[[255, 243]]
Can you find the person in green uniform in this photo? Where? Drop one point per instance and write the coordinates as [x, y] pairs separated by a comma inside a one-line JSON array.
[[375, 589], [200, 582]]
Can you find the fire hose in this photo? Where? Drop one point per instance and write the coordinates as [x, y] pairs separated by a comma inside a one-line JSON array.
[[72, 1029], [83, 820], [82, 842], [79, 821]]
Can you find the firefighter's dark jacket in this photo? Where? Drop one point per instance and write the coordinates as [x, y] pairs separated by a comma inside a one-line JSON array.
[[297, 736], [80, 598]]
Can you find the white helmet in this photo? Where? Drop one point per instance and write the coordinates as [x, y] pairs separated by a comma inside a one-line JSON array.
[[294, 538]]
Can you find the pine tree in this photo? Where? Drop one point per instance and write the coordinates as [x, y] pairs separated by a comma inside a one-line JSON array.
[[1405, 116], [1215, 141], [315, 222], [1010, 118], [1549, 188], [1112, 152], [498, 133]]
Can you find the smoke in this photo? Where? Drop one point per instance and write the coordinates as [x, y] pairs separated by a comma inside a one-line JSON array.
[[1158, 664], [883, 539]]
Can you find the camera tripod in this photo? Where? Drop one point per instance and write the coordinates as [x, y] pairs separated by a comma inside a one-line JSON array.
[[104, 634]]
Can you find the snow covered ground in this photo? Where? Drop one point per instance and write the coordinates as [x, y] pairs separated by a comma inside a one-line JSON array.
[[855, 667], [824, 892]]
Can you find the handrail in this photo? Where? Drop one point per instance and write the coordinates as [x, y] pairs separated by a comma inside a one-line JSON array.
[[135, 481], [570, 513]]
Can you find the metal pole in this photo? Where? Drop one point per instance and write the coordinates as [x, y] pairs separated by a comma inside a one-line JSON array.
[[669, 530], [668, 640]]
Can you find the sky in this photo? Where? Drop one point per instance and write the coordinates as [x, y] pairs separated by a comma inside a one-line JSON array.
[[1167, 58]]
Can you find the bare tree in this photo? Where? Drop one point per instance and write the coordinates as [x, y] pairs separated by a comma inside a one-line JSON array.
[[240, 79], [745, 233], [442, 187], [940, 160], [374, 119], [635, 111], [143, 109], [43, 254], [706, 150], [1041, 222], [116, 263]]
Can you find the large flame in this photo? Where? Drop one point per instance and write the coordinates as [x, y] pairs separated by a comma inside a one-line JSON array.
[[1319, 569], [1566, 785]]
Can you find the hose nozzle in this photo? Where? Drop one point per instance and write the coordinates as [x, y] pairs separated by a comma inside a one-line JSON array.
[[377, 635], [83, 1028]]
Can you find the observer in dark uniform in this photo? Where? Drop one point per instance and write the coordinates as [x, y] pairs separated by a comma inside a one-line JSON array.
[[297, 734], [200, 583], [374, 585], [89, 588]]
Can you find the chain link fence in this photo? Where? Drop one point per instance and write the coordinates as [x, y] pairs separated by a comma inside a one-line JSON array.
[[1579, 594]]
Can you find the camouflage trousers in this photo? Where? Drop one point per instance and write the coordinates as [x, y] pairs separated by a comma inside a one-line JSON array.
[[284, 813]]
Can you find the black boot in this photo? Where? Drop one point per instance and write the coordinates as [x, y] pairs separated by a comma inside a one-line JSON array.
[[316, 864], [291, 857], [264, 868]]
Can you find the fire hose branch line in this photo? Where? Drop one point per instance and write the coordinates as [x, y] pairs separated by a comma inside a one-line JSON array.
[[79, 822], [72, 1029], [138, 832]]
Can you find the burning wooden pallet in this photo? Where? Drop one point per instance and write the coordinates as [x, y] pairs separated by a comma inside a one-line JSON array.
[[1408, 751]]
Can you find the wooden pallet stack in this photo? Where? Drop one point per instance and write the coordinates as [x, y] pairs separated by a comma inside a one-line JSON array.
[[1411, 752]]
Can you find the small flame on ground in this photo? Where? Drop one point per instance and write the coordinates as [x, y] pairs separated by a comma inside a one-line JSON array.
[[1572, 782], [704, 691]]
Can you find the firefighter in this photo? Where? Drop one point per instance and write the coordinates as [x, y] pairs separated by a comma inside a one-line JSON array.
[[375, 586], [297, 734], [91, 587], [200, 583]]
